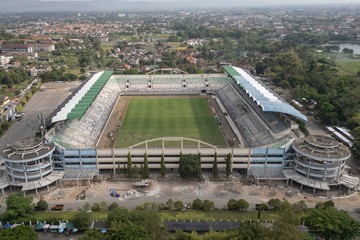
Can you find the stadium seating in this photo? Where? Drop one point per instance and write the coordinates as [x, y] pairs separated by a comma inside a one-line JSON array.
[[170, 83], [252, 129], [84, 132]]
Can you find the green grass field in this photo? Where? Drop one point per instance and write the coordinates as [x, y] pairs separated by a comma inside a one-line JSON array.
[[350, 65], [148, 118]]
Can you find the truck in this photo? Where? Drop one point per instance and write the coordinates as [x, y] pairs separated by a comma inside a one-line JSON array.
[[143, 183], [58, 207]]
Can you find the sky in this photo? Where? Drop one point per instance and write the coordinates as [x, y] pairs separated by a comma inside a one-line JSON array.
[[238, 2], [9, 6]]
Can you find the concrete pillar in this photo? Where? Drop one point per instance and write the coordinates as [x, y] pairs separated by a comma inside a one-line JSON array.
[[37, 193], [163, 145], [301, 187], [113, 159], [314, 190], [48, 188], [146, 147]]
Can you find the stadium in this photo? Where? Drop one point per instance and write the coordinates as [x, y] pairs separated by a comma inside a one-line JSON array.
[[168, 112]]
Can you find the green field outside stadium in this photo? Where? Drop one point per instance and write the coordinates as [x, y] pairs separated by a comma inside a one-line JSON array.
[[148, 118]]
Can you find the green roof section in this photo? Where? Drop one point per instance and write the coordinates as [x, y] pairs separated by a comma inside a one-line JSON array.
[[231, 71], [81, 107]]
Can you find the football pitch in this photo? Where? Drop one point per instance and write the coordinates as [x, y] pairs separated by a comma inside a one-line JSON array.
[[149, 118]]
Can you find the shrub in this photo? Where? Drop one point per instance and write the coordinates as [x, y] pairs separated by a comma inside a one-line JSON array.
[[197, 204], [274, 204], [42, 205], [232, 205], [208, 205], [242, 204], [96, 207], [179, 205], [5, 125], [113, 206]]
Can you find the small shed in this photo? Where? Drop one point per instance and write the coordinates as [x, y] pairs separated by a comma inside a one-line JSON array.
[[70, 226], [39, 226], [46, 227], [7, 226], [61, 227], [54, 228]]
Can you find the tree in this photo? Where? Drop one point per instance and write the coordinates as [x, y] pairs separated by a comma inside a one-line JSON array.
[[113, 206], [190, 166], [208, 205], [348, 50], [261, 207], [141, 169], [286, 226], [253, 230], [5, 125], [86, 207], [179, 205], [18, 208], [228, 165], [146, 167], [135, 171], [328, 223], [127, 231], [129, 167], [242, 204], [274, 204], [215, 167], [170, 204], [82, 220], [232, 204], [19, 233], [148, 219], [328, 114], [42, 205], [95, 207], [119, 214], [92, 234], [162, 166], [326, 204], [197, 204], [300, 206]]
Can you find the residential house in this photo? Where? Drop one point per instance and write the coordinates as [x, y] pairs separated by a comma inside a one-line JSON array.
[[5, 60], [16, 47], [4, 100]]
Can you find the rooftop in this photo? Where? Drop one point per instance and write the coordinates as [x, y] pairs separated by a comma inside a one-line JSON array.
[[267, 100], [321, 148], [26, 149]]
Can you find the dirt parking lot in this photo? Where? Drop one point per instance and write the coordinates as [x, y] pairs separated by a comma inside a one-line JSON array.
[[45, 101], [172, 187]]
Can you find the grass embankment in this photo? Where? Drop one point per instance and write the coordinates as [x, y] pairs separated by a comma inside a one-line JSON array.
[[187, 215]]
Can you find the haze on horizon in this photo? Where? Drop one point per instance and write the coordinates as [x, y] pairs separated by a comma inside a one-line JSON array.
[[151, 5]]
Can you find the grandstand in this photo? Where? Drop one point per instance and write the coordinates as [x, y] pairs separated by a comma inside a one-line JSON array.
[[256, 115], [268, 144], [84, 132], [157, 84]]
